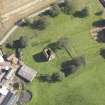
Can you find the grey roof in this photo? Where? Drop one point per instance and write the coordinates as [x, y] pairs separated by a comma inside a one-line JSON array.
[[27, 73], [10, 99]]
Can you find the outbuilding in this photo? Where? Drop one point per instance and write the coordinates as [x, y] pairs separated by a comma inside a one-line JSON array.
[[26, 73]]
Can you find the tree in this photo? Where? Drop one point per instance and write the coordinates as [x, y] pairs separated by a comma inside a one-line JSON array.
[[82, 13], [68, 7], [40, 23], [54, 11], [58, 76], [99, 23], [22, 42], [44, 77], [10, 44], [19, 53], [16, 86], [28, 21], [62, 42], [70, 66], [102, 52]]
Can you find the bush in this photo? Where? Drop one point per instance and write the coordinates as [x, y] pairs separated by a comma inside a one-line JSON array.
[[16, 86], [18, 53], [10, 44], [44, 77], [99, 23], [101, 36], [62, 42], [67, 7], [40, 23], [102, 52], [99, 13], [28, 21], [81, 14], [22, 42], [70, 66], [58, 76], [54, 11]]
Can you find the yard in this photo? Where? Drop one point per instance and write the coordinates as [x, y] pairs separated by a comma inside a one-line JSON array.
[[86, 86]]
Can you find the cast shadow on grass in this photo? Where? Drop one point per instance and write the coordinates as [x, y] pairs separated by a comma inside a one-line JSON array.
[[99, 23], [39, 57], [102, 52], [99, 13], [82, 13], [44, 78]]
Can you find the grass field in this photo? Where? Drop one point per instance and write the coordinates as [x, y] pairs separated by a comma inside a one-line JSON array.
[[86, 86]]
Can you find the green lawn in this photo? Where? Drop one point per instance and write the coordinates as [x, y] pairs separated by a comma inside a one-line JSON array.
[[86, 86]]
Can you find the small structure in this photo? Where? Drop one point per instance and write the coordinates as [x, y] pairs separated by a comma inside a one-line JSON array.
[[49, 54], [26, 73]]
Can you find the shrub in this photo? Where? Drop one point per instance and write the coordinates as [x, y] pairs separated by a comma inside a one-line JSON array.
[[58, 76], [44, 77], [10, 44], [18, 53], [82, 13], [101, 36], [99, 23], [99, 13], [67, 7], [102, 52], [54, 11], [62, 42], [28, 21], [16, 86], [22, 42], [70, 66], [40, 23]]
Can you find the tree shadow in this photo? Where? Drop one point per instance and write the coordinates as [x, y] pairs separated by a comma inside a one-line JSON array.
[[101, 36], [39, 57], [68, 68], [45, 78], [71, 66], [53, 46], [99, 23], [102, 52], [82, 13], [99, 13]]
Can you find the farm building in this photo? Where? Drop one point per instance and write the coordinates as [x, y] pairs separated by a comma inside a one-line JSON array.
[[26, 73]]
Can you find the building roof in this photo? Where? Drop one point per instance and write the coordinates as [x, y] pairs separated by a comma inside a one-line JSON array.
[[10, 99], [27, 73], [4, 91]]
